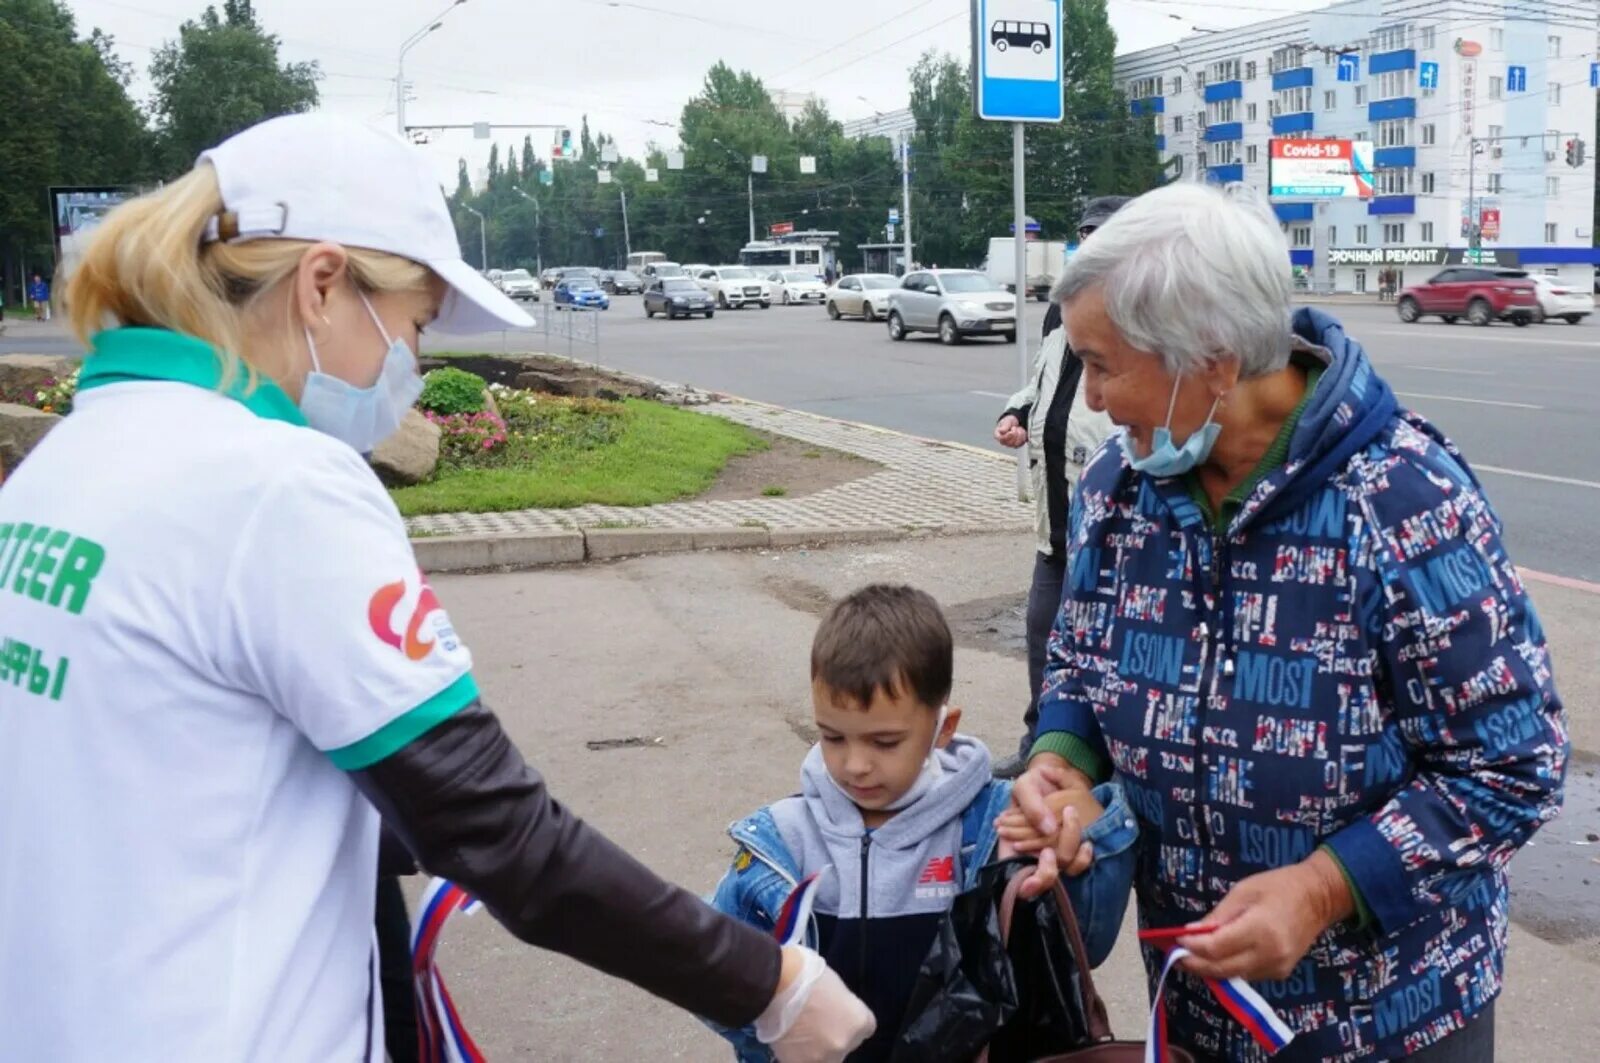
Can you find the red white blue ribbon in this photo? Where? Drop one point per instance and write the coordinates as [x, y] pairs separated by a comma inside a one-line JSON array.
[[1237, 999], [794, 918], [441, 1038]]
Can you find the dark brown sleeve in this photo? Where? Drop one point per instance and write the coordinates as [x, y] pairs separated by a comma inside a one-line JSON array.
[[472, 810]]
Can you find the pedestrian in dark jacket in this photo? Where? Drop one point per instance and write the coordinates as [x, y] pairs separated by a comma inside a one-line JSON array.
[[1059, 436], [1292, 631]]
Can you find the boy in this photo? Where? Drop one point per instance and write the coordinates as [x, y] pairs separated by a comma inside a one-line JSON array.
[[898, 811]]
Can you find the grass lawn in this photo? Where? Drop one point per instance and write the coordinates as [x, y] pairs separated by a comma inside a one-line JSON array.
[[646, 453]]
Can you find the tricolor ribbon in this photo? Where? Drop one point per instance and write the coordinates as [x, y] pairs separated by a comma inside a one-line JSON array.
[[1237, 999], [795, 915], [441, 1038]]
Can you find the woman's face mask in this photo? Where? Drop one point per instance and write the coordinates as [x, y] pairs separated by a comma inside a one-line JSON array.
[[362, 417]]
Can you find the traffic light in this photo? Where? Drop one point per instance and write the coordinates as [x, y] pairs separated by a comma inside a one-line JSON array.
[[563, 145], [1575, 152]]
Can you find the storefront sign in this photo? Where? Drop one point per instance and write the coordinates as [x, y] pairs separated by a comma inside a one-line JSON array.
[[1386, 256], [1463, 256]]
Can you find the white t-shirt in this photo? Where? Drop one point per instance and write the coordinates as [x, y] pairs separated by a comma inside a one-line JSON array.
[[207, 610]]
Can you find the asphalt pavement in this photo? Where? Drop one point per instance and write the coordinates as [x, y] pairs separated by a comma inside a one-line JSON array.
[[1522, 403]]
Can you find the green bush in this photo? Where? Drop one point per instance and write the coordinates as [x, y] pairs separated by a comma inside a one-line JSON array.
[[449, 391]]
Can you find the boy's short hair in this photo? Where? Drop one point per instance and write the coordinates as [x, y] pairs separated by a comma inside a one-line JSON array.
[[888, 638]]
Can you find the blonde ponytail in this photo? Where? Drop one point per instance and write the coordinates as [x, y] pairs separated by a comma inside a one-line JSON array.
[[146, 265]]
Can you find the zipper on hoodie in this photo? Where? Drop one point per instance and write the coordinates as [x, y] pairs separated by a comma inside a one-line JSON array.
[[866, 847]]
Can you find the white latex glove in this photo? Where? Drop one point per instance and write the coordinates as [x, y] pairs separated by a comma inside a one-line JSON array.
[[815, 1019]]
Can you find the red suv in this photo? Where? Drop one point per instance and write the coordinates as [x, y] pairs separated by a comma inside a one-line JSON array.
[[1477, 293]]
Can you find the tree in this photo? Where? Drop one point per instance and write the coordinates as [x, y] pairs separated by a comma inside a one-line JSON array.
[[69, 122], [220, 76]]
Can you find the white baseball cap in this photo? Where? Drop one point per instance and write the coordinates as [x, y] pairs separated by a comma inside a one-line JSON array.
[[317, 177]]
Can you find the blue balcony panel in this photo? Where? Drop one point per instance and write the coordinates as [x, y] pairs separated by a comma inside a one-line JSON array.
[[1149, 105], [1298, 78], [1224, 90], [1388, 110], [1294, 211], [1232, 173], [1302, 256], [1384, 62], [1392, 205], [1161, 142], [1394, 158], [1293, 123], [1222, 131]]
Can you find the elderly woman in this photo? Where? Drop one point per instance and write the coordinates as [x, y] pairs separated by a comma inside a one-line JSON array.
[[1292, 632]]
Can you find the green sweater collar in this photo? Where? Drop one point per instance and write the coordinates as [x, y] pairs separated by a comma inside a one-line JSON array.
[[122, 355]]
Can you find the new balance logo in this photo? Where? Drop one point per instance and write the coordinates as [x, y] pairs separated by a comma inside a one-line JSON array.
[[941, 870]]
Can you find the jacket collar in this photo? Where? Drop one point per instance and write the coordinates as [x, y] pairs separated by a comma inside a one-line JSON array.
[[124, 355]]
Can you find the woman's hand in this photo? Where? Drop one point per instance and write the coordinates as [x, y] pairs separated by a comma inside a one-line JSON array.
[[1009, 432], [1046, 774], [1073, 855], [1268, 922]]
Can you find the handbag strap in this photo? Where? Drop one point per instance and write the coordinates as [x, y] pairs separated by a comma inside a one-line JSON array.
[[1094, 1007]]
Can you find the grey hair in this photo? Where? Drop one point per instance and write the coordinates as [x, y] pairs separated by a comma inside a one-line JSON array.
[[1193, 274]]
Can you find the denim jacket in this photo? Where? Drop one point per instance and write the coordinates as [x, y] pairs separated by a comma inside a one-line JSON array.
[[764, 874]]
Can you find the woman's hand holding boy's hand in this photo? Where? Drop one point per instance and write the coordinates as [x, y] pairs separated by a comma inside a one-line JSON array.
[[1076, 807]]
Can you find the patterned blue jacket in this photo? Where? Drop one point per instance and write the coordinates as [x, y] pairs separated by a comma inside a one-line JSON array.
[[1354, 664]]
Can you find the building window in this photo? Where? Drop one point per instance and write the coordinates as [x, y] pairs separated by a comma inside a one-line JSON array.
[[1300, 236], [1250, 70], [1222, 111], [1294, 101], [1554, 95], [1555, 47], [1428, 38], [1250, 112], [1552, 187], [1550, 226], [1394, 182], [1250, 153], [1427, 184], [1361, 235], [1200, 160], [1361, 95], [1361, 281], [1177, 123], [1330, 100], [1394, 232], [1394, 84], [1333, 236], [1200, 81], [1428, 135], [1224, 153], [1224, 70], [1391, 38], [1427, 232], [1395, 133], [1200, 121], [1291, 57], [1177, 84], [1497, 39], [1497, 87], [1496, 132], [1144, 88], [1494, 184]]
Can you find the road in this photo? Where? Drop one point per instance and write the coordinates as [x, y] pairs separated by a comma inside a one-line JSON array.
[[1523, 403]]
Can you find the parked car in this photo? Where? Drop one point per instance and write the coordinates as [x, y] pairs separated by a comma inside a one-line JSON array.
[[693, 269], [622, 282], [662, 270], [955, 303], [519, 284], [864, 294], [795, 286], [549, 277], [1480, 294], [1558, 300], [581, 292], [676, 297], [734, 287]]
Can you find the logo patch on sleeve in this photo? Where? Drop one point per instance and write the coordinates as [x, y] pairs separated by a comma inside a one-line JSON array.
[[428, 625]]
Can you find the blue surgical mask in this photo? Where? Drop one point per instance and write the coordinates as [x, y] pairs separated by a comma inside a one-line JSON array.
[[1165, 459], [362, 417]]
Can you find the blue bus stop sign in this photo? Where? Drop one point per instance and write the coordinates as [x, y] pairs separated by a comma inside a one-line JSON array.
[[1016, 60]]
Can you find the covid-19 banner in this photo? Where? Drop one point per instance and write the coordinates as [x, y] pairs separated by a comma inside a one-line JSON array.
[[1321, 169]]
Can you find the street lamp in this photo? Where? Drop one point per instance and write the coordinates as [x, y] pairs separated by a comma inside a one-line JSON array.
[[749, 183], [538, 233], [400, 64], [483, 237]]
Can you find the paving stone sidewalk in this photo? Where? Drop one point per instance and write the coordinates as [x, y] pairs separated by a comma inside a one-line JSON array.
[[924, 486]]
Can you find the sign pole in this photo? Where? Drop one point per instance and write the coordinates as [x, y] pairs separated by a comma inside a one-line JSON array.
[[905, 193], [1019, 248]]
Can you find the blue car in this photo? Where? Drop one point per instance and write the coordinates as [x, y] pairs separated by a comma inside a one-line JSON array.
[[581, 292]]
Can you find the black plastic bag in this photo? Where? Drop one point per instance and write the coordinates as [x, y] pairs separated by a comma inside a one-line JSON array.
[[1022, 998]]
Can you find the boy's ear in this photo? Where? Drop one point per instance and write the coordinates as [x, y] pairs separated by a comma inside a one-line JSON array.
[[952, 721]]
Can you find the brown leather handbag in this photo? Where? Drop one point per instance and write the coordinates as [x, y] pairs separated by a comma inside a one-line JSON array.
[[1105, 1047]]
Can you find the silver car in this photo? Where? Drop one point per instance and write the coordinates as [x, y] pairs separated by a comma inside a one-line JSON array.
[[955, 303]]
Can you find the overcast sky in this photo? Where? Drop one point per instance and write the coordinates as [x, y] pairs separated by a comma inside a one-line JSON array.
[[629, 66]]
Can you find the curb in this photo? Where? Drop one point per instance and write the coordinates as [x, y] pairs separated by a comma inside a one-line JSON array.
[[512, 553]]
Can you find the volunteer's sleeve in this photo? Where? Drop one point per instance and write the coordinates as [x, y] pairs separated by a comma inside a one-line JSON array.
[[329, 619]]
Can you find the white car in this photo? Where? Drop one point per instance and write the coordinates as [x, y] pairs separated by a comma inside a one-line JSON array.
[[734, 286], [519, 284], [955, 303], [1558, 300], [796, 287], [694, 269], [864, 294]]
